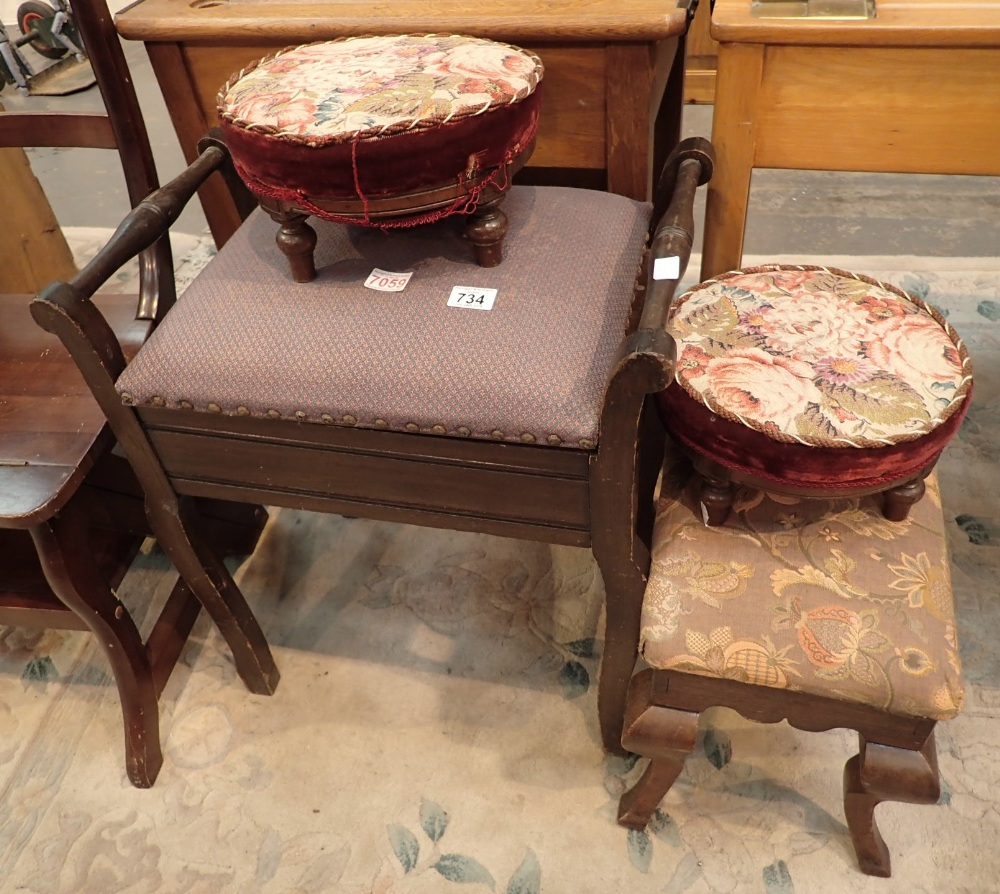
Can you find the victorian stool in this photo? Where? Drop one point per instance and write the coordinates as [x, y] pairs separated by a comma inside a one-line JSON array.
[[391, 131], [516, 400], [824, 614], [815, 382]]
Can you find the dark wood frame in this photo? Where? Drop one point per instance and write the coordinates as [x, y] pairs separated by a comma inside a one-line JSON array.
[[601, 498]]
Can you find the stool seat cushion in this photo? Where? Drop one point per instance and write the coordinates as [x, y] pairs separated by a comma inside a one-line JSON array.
[[822, 597], [532, 369], [368, 117], [814, 377]]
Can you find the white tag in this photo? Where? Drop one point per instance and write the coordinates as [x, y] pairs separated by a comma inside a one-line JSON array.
[[385, 281], [666, 268], [472, 298]]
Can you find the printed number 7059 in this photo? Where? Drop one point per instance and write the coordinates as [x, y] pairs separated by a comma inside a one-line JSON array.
[[386, 282]]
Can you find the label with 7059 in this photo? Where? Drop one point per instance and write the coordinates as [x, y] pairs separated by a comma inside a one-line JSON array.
[[387, 281]]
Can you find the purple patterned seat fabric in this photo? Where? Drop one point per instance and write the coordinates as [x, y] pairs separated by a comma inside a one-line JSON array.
[[244, 340]]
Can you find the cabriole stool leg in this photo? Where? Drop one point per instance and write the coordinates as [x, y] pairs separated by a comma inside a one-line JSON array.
[[884, 773], [666, 736]]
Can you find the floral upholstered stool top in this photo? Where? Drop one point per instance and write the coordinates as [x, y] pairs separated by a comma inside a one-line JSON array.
[[389, 131], [823, 613], [813, 381]]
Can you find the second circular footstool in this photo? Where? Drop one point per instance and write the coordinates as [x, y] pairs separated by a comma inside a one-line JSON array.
[[812, 381], [386, 131]]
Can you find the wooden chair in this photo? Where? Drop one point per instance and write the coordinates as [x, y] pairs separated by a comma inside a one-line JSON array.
[[821, 613], [71, 512], [531, 420]]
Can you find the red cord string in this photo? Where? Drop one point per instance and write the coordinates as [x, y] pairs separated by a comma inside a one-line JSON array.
[[463, 204]]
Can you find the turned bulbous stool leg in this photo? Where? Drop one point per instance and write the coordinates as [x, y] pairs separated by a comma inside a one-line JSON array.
[[884, 773], [486, 231], [896, 501], [716, 493], [295, 238]]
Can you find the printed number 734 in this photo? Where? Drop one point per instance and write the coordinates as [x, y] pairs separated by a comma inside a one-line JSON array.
[[472, 297]]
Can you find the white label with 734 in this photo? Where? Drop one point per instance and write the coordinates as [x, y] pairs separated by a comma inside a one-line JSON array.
[[472, 298]]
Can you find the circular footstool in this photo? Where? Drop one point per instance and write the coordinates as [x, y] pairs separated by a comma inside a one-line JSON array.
[[815, 382], [388, 131]]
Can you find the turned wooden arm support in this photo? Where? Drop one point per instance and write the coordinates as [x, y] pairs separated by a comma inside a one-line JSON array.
[[148, 221], [244, 200], [688, 167], [65, 309], [646, 362]]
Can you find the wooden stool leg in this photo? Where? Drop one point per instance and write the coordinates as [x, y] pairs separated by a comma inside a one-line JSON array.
[[884, 773], [296, 240], [63, 548], [177, 531], [716, 499], [486, 231], [897, 501], [666, 736]]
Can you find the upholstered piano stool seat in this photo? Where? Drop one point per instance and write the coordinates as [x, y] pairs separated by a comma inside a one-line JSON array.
[[389, 131], [521, 352], [813, 381], [823, 613]]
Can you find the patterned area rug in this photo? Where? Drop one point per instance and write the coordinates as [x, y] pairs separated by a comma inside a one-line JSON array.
[[435, 726]]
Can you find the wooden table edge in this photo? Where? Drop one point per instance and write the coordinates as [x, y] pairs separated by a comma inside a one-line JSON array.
[[212, 25], [896, 24]]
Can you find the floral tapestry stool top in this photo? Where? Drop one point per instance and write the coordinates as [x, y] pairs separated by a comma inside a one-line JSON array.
[[823, 613], [814, 381], [387, 131]]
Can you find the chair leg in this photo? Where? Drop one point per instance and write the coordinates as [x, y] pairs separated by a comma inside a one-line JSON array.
[[623, 606], [621, 531], [63, 548], [666, 736], [177, 530], [738, 96], [896, 501], [885, 773]]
